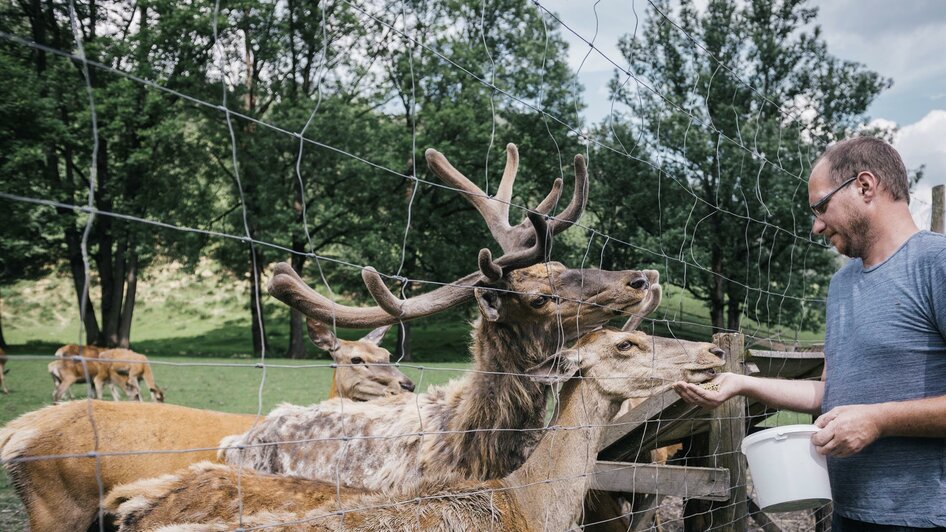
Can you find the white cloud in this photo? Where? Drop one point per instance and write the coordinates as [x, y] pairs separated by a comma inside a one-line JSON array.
[[922, 143]]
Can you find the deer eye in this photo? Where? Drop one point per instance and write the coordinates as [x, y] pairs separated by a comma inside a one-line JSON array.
[[626, 345], [539, 301], [357, 360]]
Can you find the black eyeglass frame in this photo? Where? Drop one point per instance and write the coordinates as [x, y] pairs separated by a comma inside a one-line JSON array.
[[821, 206]]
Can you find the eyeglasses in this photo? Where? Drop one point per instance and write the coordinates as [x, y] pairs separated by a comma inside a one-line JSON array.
[[818, 208]]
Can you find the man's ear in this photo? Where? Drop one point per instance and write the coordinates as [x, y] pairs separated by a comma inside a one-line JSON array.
[[489, 303], [555, 369], [321, 335], [376, 335]]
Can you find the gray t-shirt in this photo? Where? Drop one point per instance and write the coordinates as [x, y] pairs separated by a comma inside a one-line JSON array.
[[886, 341]]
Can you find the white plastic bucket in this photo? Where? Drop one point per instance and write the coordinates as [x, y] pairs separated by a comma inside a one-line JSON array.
[[787, 472]]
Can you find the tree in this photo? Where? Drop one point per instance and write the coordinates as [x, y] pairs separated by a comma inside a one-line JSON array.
[[143, 165], [727, 107]]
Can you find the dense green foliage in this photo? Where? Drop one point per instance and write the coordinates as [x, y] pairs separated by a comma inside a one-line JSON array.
[[328, 111]]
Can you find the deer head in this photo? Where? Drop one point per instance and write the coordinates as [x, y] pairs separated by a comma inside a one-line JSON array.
[[363, 369]]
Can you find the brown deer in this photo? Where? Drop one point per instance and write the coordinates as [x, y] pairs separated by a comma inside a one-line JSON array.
[[483, 425], [363, 369], [3, 370], [63, 493], [125, 368], [76, 365], [604, 368]]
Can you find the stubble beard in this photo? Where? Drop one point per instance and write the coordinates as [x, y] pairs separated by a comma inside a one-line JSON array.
[[858, 236]]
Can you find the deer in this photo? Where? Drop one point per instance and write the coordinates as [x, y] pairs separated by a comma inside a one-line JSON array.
[[3, 371], [71, 351], [604, 368], [125, 368], [65, 494], [480, 426], [80, 369], [362, 368]]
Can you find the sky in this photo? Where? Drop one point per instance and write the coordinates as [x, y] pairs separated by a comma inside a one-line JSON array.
[[904, 40]]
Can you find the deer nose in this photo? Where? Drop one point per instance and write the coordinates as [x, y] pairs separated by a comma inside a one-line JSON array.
[[638, 282], [407, 385]]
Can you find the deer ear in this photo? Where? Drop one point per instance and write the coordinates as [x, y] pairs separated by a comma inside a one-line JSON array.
[[555, 369], [376, 335], [489, 303], [321, 335]]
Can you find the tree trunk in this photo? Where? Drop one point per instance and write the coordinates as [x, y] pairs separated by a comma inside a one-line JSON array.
[[128, 308], [3, 342], [73, 244], [113, 318], [403, 348], [256, 305], [734, 312]]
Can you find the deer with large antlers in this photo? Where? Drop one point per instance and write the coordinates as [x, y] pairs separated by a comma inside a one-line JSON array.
[[62, 493], [604, 368], [483, 425]]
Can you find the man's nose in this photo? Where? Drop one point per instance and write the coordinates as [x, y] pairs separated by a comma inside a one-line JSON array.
[[817, 226]]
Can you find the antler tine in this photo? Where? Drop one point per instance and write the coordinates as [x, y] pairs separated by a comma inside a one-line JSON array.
[[496, 217], [488, 268], [532, 255], [504, 193], [551, 199], [288, 287], [576, 207]]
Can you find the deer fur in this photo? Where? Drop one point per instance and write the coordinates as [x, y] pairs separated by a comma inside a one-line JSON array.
[[478, 427], [544, 494], [63, 493]]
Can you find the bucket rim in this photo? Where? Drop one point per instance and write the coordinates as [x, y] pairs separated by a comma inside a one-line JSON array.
[[778, 431]]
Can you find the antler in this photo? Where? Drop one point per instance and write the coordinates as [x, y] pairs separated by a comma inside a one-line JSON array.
[[495, 210], [523, 245]]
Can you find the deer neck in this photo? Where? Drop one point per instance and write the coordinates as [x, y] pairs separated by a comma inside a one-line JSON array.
[[498, 401], [566, 457]]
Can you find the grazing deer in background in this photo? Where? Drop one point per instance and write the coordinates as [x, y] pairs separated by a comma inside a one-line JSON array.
[[79, 364], [125, 368], [546, 493], [63, 494], [483, 425]]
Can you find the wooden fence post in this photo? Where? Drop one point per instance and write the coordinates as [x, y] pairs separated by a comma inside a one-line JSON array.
[[727, 430], [939, 206]]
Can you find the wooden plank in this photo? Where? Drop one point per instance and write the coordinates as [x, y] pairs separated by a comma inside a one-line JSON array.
[[759, 353], [678, 481], [727, 430], [652, 408]]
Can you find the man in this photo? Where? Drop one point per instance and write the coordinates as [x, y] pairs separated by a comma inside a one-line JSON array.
[[883, 391]]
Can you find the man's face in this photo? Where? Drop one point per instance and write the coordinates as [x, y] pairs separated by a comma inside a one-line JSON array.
[[841, 222]]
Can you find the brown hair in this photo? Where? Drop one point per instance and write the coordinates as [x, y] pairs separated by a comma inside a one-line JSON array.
[[868, 154]]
